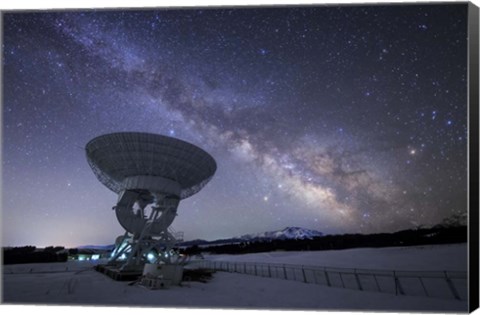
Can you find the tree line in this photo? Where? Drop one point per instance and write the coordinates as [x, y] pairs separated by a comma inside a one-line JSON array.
[[30, 254]]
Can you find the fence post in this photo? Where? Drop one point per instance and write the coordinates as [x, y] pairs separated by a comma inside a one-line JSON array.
[[326, 277], [423, 286], [398, 287], [245, 268], [304, 276], [451, 286], [358, 280], [255, 268], [284, 272], [269, 272]]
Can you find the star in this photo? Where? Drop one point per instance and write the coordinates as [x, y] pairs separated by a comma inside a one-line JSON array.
[[263, 51]]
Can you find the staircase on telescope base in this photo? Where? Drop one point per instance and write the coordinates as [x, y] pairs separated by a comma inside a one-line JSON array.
[[178, 235]]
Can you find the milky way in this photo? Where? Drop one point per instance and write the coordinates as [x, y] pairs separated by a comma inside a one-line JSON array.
[[340, 119]]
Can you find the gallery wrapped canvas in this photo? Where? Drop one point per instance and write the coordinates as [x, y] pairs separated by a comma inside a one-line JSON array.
[[279, 157]]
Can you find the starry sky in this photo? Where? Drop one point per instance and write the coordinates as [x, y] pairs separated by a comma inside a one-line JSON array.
[[342, 119]]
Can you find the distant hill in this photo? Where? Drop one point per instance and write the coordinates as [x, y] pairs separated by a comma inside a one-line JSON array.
[[288, 233], [454, 220], [98, 247]]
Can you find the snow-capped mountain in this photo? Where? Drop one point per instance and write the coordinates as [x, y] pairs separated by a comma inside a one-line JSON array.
[[291, 232]]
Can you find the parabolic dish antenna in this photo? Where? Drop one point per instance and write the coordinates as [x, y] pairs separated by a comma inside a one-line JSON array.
[[151, 174]]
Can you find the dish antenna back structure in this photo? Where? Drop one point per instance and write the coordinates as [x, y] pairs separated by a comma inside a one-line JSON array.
[[150, 173]]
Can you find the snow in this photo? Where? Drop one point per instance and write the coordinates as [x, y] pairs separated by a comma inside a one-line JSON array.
[[226, 290], [416, 258], [80, 285]]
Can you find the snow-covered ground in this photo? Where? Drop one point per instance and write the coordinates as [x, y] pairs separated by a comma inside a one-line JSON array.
[[75, 283], [429, 257]]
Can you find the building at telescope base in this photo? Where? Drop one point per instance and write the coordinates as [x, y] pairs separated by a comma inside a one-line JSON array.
[[151, 174]]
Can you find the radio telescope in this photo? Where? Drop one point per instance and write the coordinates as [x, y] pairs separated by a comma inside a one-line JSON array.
[[150, 173]]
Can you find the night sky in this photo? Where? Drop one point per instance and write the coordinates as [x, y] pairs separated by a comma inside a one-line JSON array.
[[339, 119]]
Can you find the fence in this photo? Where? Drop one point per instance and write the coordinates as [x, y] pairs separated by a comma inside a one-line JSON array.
[[440, 284]]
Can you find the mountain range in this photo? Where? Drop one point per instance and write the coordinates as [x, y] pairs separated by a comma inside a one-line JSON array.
[[291, 232]]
